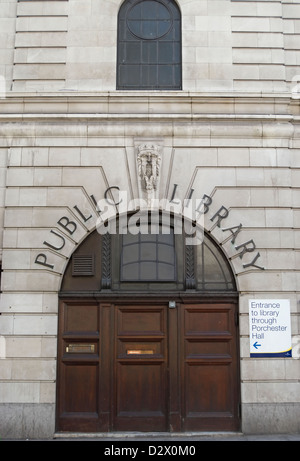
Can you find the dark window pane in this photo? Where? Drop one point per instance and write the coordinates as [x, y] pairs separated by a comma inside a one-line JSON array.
[[130, 272], [148, 251], [177, 31], [213, 272], [135, 27], [148, 9], [176, 54], [133, 52], [163, 27], [149, 52], [130, 254], [165, 52], [149, 29], [148, 271], [122, 31], [149, 76], [147, 257], [165, 75], [165, 272], [166, 254], [166, 237], [135, 12], [130, 74], [163, 14]]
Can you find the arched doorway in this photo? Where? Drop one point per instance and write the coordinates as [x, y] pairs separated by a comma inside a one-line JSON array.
[[148, 336]]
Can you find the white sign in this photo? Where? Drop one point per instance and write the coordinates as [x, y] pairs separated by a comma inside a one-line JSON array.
[[270, 328]]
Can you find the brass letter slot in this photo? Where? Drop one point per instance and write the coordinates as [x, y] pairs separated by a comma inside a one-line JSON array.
[[78, 348], [139, 352]]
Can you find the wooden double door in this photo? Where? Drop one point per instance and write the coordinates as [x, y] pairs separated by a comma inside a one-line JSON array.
[[148, 365]]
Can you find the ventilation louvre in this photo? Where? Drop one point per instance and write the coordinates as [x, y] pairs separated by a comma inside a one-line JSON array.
[[83, 265]]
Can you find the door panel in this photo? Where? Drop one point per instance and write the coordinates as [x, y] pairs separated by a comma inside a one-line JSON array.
[[141, 396], [84, 399], [209, 354], [142, 366], [81, 317], [78, 369], [141, 320]]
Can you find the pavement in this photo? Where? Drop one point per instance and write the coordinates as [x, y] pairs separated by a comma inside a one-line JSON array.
[[118, 439], [192, 438]]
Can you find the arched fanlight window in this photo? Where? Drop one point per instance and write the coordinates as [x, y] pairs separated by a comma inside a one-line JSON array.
[[147, 262], [149, 45]]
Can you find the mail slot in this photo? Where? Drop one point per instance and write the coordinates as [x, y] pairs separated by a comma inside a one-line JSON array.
[[78, 348], [139, 351]]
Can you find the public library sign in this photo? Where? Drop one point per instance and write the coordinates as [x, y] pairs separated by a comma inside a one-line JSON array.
[[192, 210]]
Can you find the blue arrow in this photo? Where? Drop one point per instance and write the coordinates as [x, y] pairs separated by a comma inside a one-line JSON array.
[[256, 345]]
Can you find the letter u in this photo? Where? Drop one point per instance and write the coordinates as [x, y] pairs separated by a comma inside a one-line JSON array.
[[52, 246]]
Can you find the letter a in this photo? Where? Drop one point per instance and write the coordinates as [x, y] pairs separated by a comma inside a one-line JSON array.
[[234, 234]]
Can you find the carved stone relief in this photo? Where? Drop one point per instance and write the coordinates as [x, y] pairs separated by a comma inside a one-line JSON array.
[[148, 164]]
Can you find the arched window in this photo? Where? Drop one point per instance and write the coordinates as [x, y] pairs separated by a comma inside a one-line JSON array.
[[149, 45], [147, 262]]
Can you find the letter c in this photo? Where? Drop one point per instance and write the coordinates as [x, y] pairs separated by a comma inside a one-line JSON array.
[[106, 193]]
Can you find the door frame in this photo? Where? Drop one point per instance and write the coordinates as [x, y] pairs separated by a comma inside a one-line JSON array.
[[175, 367]]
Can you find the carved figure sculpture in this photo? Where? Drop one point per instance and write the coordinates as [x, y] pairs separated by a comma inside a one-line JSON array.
[[149, 160]]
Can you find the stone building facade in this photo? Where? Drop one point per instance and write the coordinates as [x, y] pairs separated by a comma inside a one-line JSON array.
[[225, 137]]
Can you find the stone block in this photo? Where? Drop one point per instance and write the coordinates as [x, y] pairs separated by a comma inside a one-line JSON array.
[[42, 23], [209, 23], [258, 370], [32, 196], [47, 392], [253, 281], [20, 217], [25, 421], [35, 281], [47, 176], [247, 24], [279, 218], [278, 392], [35, 324], [40, 39], [16, 259], [41, 8], [18, 392], [276, 418], [26, 347], [40, 55], [63, 156], [19, 177], [213, 55], [33, 369], [32, 71]]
